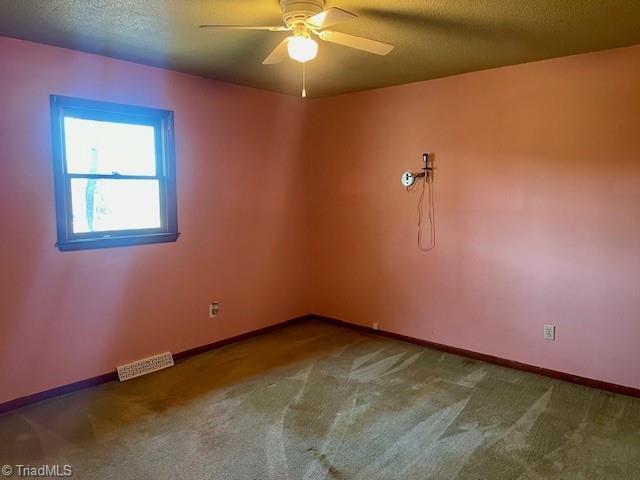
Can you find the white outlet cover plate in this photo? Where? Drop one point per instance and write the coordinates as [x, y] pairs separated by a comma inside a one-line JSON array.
[[549, 332]]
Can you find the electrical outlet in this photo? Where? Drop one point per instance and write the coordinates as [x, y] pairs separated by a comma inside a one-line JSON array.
[[375, 326], [549, 332], [213, 309]]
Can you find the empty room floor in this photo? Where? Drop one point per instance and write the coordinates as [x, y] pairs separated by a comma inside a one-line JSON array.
[[316, 401]]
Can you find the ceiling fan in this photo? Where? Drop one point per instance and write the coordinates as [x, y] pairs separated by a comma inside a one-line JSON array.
[[305, 19]]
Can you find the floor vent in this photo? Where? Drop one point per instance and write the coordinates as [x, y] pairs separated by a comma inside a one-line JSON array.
[[144, 366]]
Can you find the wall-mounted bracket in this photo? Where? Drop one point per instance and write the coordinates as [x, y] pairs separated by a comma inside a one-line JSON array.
[[408, 178]]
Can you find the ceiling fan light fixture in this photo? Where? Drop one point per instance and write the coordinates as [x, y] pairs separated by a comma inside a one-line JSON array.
[[302, 49]]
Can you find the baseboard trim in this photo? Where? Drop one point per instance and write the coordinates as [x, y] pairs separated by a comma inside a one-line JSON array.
[[56, 391], [238, 338], [503, 362], [113, 376]]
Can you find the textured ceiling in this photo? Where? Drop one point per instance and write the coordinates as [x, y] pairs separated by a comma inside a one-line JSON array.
[[433, 38]]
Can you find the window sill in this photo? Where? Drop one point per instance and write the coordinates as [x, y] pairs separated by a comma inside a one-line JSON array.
[[116, 241]]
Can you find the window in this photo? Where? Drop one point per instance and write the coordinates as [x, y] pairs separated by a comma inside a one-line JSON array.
[[114, 173]]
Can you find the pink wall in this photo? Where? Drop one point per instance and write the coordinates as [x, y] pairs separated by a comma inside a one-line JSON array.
[[538, 212], [538, 216], [69, 316]]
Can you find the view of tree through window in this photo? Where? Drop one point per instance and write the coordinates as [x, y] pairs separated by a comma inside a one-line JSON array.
[[106, 148]]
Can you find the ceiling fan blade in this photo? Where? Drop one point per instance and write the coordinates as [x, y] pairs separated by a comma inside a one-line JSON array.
[[278, 54], [247, 27], [330, 17], [366, 44]]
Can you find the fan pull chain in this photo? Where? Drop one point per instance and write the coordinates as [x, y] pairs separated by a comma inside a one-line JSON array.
[[304, 80]]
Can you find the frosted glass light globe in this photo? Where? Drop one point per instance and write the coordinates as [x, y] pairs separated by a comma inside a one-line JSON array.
[[302, 49]]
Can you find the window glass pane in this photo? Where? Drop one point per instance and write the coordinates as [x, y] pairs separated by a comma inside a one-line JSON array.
[[105, 147], [104, 204]]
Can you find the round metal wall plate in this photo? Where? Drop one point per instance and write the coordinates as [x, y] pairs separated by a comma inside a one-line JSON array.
[[407, 179]]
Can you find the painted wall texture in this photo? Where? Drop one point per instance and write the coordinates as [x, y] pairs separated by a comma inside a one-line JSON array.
[[69, 316], [537, 193], [537, 213]]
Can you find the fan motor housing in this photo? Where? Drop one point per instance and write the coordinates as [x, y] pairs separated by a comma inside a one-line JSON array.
[[296, 11]]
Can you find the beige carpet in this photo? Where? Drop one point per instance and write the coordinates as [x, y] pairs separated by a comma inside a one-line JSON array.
[[313, 401]]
